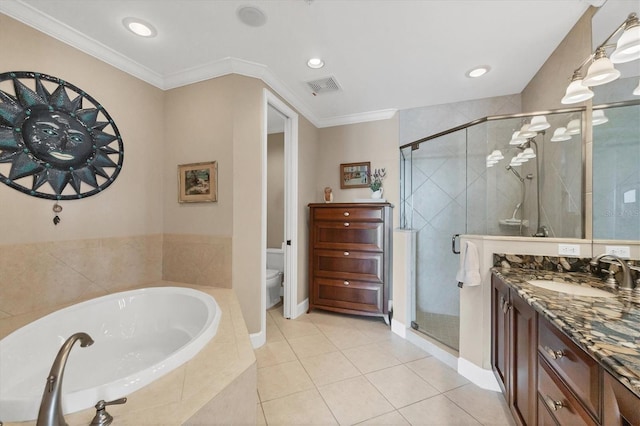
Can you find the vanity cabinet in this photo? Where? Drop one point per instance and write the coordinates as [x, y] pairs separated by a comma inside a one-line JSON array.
[[577, 375], [350, 257], [621, 406], [546, 378], [514, 350]]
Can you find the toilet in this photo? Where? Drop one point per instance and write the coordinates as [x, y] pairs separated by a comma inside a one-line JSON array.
[[274, 275], [274, 281]]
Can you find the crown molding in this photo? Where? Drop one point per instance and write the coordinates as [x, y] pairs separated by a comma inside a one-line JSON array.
[[62, 32], [383, 114]]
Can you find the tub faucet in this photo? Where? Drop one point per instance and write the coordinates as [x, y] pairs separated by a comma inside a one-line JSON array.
[[627, 281], [50, 413]]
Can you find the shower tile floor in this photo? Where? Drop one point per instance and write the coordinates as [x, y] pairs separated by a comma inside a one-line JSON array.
[[327, 369], [444, 328]]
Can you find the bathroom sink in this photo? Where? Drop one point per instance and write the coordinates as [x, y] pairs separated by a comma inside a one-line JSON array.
[[574, 289]]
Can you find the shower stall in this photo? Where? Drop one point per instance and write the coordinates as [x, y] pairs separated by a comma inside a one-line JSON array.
[[489, 177]]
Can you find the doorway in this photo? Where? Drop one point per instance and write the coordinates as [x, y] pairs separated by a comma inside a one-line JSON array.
[[275, 111]]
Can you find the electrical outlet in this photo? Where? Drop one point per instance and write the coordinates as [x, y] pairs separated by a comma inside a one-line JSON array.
[[620, 251], [568, 250]]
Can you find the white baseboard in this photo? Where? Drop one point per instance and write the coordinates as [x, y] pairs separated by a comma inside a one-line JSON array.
[[479, 376], [399, 328], [303, 307], [258, 339], [439, 353]]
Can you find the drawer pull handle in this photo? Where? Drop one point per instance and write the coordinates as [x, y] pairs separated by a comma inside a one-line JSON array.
[[346, 224], [553, 404], [346, 253], [346, 283], [506, 307], [553, 354], [346, 214]]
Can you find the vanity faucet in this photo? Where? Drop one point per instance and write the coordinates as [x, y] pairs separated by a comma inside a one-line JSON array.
[[50, 413], [627, 281]]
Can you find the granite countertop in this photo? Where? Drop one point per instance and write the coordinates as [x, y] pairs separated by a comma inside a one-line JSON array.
[[606, 328]]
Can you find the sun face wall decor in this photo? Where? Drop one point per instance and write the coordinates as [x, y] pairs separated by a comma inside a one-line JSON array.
[[53, 133]]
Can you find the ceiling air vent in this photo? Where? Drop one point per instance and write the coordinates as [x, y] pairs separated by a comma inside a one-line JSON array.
[[324, 85]]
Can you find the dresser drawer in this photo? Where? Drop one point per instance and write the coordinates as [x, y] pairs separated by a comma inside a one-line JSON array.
[[349, 212], [347, 235], [348, 265], [581, 372], [349, 294], [557, 400]]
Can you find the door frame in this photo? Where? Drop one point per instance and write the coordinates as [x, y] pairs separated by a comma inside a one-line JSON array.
[[290, 309]]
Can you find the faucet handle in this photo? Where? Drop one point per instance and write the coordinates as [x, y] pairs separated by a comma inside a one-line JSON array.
[[102, 418], [611, 281]]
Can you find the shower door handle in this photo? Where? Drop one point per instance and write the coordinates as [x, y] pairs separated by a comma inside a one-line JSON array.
[[453, 244]]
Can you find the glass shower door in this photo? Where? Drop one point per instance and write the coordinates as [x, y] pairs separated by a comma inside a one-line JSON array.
[[438, 205]]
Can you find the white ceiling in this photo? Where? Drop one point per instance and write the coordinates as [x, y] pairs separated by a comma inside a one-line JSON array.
[[386, 55]]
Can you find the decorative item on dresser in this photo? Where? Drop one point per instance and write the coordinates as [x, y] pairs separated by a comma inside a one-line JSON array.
[[350, 258]]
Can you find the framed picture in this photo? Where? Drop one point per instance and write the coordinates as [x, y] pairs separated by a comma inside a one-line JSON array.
[[198, 182], [354, 175]]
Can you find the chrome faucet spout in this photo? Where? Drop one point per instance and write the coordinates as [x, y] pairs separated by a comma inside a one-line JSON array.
[[627, 281], [50, 413]]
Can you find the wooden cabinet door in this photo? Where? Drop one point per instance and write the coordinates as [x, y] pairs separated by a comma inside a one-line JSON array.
[[621, 406], [499, 333], [514, 350], [523, 360]]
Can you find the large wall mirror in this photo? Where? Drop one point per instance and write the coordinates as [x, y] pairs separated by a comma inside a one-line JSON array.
[[616, 138]]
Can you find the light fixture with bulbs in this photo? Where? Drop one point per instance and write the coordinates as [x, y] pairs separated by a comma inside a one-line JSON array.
[[527, 132], [573, 128], [516, 139], [598, 117], [528, 153], [560, 134], [602, 70], [539, 123], [576, 92]]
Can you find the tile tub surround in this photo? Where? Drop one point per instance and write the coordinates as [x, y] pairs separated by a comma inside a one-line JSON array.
[[606, 328], [197, 259], [217, 383], [41, 276]]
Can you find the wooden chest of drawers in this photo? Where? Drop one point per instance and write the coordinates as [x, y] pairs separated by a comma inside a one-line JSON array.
[[350, 258]]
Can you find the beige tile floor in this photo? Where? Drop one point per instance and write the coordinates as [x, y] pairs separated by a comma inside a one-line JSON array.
[[327, 369]]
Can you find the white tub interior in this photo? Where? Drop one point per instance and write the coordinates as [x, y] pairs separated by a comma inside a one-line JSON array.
[[139, 336]]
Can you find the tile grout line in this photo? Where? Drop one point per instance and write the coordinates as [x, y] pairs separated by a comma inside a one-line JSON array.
[[361, 374]]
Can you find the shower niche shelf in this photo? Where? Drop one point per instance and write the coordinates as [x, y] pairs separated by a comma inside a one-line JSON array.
[[514, 222]]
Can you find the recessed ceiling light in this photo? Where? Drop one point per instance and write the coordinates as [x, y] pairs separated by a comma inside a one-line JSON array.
[[315, 63], [251, 15], [139, 27], [478, 71]]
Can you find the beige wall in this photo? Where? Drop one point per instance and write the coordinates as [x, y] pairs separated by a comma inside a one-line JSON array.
[[219, 119], [275, 190], [132, 205], [548, 86], [103, 243], [376, 142]]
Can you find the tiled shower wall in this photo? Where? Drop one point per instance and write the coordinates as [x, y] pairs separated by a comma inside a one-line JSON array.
[[38, 277], [437, 195]]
